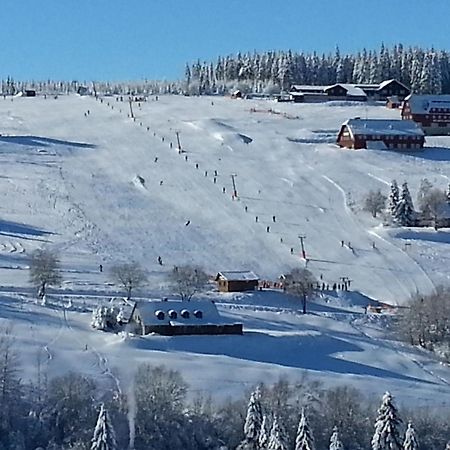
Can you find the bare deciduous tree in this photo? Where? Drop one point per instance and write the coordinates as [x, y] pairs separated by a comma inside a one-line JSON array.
[[432, 203], [44, 270], [187, 280], [129, 275], [300, 283], [9, 375], [375, 202], [427, 320]]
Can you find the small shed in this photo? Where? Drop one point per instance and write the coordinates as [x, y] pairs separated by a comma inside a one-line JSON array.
[[237, 281], [381, 133], [83, 90], [236, 94], [393, 102], [30, 93], [176, 318]]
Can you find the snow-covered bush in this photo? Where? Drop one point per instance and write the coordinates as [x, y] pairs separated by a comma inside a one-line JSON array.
[[105, 318]]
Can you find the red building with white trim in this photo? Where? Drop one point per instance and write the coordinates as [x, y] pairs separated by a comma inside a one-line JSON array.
[[381, 134], [432, 112]]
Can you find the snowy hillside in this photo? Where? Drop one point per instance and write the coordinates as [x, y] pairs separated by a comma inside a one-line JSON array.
[[82, 177]]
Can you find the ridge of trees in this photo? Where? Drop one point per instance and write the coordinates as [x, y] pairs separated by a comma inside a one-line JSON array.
[[424, 70]]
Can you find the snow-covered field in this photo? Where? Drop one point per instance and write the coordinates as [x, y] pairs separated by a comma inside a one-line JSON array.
[[70, 180]]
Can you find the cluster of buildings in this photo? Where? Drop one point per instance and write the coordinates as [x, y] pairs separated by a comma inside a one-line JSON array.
[[349, 92], [176, 318], [421, 115]]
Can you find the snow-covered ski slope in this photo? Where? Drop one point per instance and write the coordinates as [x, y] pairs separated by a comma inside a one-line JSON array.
[[103, 188]]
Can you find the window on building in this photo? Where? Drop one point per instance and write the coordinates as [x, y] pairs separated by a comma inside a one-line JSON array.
[[159, 315], [198, 314], [173, 314], [185, 314]]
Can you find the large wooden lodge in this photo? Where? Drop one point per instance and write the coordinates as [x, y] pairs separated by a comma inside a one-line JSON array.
[[381, 134], [349, 92], [177, 318], [432, 112]]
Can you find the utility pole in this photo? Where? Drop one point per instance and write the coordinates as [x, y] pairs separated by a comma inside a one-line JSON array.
[[233, 176], [130, 100], [302, 243], [178, 141]]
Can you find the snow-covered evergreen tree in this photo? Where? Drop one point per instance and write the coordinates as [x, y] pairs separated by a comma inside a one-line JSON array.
[[304, 439], [104, 318], [394, 197], [263, 438], [448, 194], [104, 435], [404, 213], [253, 421], [98, 320], [426, 75], [387, 436], [410, 442], [278, 439], [335, 441]]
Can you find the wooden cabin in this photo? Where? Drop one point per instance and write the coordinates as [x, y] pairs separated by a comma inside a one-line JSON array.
[[83, 90], [339, 91], [431, 112], [393, 102], [237, 94], [30, 93], [381, 134], [237, 281], [177, 318], [388, 88]]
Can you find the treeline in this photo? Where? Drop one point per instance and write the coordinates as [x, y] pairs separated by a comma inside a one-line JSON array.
[[423, 70], [9, 86], [156, 412]]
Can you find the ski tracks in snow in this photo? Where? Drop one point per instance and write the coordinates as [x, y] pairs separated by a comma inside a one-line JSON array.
[[101, 360], [394, 265]]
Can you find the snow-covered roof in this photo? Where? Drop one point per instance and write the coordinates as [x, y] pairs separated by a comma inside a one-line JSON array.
[[422, 104], [308, 87], [352, 90], [373, 86], [386, 82], [176, 312], [237, 275], [383, 127]]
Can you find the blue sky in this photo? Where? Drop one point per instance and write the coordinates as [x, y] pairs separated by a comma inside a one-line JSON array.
[[136, 39]]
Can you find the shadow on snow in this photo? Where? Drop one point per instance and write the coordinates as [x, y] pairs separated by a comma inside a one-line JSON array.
[[14, 229], [39, 141]]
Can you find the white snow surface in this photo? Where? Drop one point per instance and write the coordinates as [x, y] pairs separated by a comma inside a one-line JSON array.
[[88, 186]]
